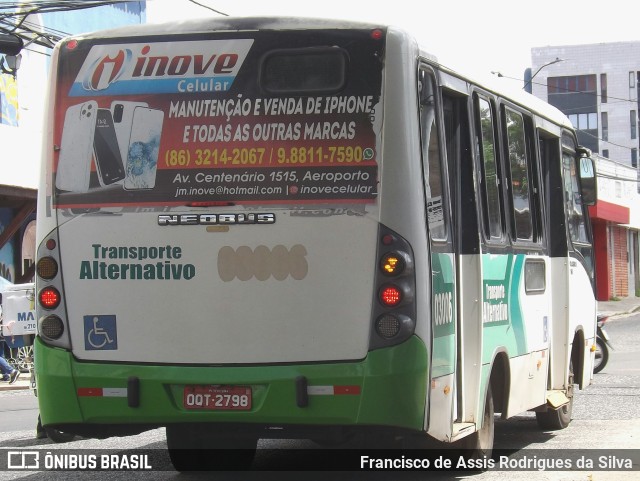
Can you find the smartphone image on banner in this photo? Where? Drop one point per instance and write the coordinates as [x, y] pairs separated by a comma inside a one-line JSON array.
[[144, 146], [122, 112], [106, 150], [76, 147]]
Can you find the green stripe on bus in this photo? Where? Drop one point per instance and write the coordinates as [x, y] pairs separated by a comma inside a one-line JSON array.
[[502, 316], [392, 390]]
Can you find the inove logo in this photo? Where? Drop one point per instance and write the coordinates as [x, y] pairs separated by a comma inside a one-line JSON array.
[[161, 67]]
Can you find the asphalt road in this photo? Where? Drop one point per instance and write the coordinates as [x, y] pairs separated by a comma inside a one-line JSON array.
[[606, 416]]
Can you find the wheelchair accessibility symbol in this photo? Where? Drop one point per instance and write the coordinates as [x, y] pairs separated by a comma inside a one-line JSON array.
[[100, 333]]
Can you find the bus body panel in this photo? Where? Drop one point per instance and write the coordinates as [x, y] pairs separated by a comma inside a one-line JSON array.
[[516, 316], [181, 294], [387, 388], [404, 211], [515, 310], [441, 414], [444, 312], [581, 314], [290, 182], [573, 325], [471, 335]]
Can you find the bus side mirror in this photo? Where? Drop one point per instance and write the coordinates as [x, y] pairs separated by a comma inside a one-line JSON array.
[[588, 181]]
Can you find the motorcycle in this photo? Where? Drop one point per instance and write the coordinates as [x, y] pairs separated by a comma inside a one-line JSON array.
[[603, 344]]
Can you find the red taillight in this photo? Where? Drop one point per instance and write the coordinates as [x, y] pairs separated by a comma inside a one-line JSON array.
[[390, 296], [49, 298]]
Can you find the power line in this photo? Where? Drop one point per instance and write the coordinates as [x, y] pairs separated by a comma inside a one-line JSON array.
[[13, 18], [618, 100], [613, 177], [209, 8], [566, 90], [602, 140], [580, 110]]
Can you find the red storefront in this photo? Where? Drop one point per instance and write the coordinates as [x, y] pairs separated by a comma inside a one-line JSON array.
[[610, 247]]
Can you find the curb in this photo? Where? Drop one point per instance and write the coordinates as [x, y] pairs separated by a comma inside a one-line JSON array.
[[13, 387], [614, 314], [19, 385]]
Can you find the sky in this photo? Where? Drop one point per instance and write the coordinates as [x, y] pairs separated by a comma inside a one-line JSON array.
[[474, 37]]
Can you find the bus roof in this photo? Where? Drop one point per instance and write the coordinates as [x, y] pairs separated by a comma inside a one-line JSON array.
[[506, 90], [232, 24], [237, 24]]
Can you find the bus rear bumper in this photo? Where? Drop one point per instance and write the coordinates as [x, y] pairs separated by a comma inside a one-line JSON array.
[[387, 388]]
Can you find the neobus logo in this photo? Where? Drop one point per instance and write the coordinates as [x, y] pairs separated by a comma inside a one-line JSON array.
[[216, 219], [162, 67]]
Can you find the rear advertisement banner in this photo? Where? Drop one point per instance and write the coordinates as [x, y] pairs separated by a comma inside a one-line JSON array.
[[173, 123]]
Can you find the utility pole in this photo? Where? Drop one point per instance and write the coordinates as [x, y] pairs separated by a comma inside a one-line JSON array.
[[528, 83]]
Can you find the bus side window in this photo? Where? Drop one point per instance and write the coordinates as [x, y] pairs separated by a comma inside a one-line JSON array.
[[519, 179], [490, 181], [551, 170], [431, 158], [537, 183], [573, 202], [462, 178], [578, 224]]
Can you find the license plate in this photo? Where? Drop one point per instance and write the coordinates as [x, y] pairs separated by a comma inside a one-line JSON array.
[[217, 398]]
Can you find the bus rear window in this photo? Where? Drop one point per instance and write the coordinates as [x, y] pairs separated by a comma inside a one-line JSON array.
[[304, 70]]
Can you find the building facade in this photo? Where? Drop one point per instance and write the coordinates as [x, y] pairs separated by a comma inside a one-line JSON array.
[[22, 103], [615, 219], [597, 86]]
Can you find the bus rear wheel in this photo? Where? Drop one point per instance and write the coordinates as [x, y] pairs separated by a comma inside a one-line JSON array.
[[59, 436], [554, 419], [198, 448]]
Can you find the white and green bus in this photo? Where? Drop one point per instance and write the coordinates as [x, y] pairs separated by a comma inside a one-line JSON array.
[[265, 227]]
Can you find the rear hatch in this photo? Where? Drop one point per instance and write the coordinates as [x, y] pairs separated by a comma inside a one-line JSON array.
[[216, 195]]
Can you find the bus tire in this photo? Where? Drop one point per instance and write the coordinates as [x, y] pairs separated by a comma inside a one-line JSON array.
[[58, 436], [480, 444], [554, 419], [195, 448]]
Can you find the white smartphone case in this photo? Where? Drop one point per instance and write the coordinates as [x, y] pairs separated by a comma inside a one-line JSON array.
[[76, 148]]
